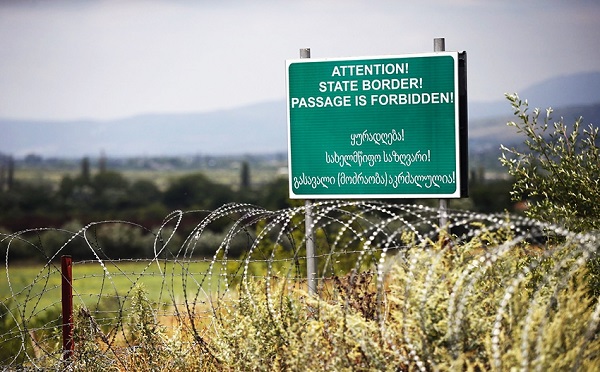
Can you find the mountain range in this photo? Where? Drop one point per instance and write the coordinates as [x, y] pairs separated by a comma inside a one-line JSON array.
[[262, 128]]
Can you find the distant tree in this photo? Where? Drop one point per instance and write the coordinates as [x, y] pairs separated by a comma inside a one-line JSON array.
[[30, 197], [196, 191], [560, 174], [85, 169], [143, 193], [109, 180], [102, 163], [245, 176], [65, 188], [10, 176], [274, 195], [491, 196], [33, 159], [2, 172], [110, 190]]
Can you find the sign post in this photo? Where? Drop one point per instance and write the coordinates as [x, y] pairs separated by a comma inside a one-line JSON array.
[[311, 260], [439, 45], [377, 127]]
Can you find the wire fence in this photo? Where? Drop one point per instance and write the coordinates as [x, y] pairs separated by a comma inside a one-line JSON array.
[[192, 269]]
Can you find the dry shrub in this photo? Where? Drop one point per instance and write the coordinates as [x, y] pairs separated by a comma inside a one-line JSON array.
[[493, 303]]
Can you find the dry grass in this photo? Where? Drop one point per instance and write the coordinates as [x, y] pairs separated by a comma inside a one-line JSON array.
[[488, 304]]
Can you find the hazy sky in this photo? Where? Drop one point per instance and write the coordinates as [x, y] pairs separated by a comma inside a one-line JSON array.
[[111, 59]]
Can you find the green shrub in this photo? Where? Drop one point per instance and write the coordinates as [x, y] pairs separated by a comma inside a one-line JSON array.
[[559, 174]]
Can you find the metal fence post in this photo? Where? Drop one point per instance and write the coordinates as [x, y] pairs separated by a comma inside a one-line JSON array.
[[67, 306]]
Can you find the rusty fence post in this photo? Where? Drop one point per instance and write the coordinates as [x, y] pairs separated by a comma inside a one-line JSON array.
[[67, 306]]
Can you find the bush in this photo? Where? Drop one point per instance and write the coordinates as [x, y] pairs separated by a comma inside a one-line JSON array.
[[444, 308], [490, 303], [559, 175]]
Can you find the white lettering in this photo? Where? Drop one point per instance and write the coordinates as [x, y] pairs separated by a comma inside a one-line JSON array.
[[321, 102], [370, 69], [412, 98]]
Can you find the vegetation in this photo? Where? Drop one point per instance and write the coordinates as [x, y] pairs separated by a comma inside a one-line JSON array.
[[55, 210], [559, 172], [448, 307], [37, 192], [490, 302], [68, 199]]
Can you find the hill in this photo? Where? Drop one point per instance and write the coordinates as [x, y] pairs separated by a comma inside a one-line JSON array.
[[562, 91], [262, 128], [487, 134], [259, 128]]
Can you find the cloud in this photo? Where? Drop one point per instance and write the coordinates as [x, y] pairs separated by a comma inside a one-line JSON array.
[[109, 59]]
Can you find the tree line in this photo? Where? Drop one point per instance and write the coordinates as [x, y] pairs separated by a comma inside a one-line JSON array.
[[109, 194]]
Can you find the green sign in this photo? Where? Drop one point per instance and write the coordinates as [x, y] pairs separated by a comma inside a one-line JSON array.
[[375, 127]]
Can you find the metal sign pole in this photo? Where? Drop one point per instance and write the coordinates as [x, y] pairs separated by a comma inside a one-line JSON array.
[[311, 260], [439, 45]]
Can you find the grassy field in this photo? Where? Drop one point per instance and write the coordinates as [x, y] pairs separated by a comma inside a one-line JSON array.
[[37, 288]]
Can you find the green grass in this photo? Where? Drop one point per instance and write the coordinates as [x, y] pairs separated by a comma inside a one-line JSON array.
[[33, 289], [37, 288]]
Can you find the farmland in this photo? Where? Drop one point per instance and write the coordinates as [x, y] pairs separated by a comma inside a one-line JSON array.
[[38, 287]]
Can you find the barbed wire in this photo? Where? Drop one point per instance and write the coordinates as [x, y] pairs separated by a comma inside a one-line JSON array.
[[197, 263]]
